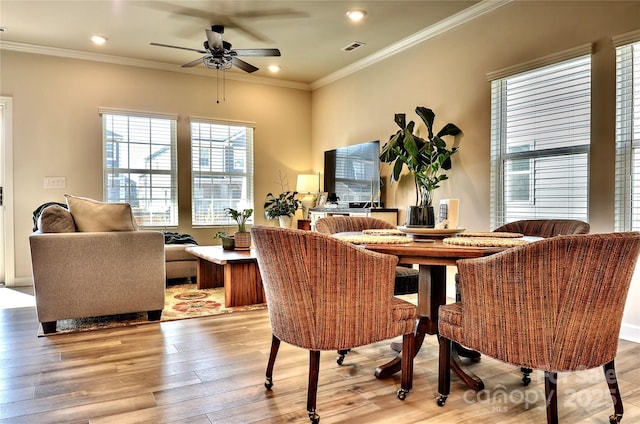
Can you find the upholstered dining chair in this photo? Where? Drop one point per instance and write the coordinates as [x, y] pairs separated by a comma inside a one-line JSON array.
[[326, 294], [574, 290], [541, 228], [546, 227], [406, 281]]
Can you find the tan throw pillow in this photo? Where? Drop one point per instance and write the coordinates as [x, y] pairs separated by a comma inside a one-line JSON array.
[[92, 215], [56, 219]]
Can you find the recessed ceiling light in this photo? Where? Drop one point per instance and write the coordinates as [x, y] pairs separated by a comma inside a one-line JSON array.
[[98, 39], [356, 15], [274, 68]]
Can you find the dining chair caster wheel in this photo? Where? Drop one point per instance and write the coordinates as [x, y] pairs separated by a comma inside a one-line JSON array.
[[615, 418], [268, 383], [402, 394], [341, 354], [525, 376], [315, 418], [441, 400]]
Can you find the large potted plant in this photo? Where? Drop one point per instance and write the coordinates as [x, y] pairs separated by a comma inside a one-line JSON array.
[[425, 158], [242, 237], [283, 207]]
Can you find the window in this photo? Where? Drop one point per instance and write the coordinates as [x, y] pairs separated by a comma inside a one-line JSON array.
[[140, 165], [540, 136], [628, 137], [221, 170]]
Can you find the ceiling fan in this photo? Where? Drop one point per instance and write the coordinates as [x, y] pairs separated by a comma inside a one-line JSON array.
[[219, 55]]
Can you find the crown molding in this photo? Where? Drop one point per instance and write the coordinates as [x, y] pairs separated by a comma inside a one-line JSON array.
[[462, 17], [127, 61], [481, 8]]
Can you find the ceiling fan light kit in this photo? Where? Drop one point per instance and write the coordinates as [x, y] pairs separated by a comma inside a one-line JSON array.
[[219, 55]]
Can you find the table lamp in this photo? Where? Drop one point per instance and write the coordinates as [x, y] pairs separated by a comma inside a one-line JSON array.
[[308, 185]]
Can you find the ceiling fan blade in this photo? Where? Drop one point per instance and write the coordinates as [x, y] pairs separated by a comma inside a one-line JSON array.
[[247, 67], [177, 47], [192, 63], [215, 39], [256, 52]]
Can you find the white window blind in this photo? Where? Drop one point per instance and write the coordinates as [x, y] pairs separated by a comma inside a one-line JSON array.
[[540, 136], [221, 170], [140, 165], [628, 137]]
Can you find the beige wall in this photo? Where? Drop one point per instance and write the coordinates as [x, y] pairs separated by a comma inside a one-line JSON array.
[[448, 74], [57, 130]]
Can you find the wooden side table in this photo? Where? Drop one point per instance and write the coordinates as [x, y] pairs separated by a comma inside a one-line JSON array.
[[237, 271]]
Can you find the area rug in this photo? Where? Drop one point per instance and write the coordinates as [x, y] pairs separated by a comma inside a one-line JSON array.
[[181, 302]]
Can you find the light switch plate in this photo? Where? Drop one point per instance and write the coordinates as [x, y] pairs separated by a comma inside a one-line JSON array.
[[55, 182]]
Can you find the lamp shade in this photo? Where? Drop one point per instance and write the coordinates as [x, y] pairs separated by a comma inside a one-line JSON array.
[[307, 183]]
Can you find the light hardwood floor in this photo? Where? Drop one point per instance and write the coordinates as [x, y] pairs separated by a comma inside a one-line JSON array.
[[211, 370]]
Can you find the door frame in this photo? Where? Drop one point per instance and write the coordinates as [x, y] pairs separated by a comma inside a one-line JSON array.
[[6, 145]]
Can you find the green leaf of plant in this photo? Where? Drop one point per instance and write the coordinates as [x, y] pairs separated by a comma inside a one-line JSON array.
[[449, 129], [400, 119], [427, 117], [397, 169]]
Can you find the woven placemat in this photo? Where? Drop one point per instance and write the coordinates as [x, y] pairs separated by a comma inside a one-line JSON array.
[[369, 239], [382, 232], [484, 241], [491, 234]]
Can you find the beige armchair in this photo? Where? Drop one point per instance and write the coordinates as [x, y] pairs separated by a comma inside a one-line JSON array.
[[314, 304], [574, 288], [87, 274]]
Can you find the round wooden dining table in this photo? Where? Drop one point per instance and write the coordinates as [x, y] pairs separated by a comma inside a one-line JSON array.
[[432, 257]]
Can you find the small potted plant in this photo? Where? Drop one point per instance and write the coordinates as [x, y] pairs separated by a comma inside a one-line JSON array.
[[283, 207], [228, 241], [242, 236], [425, 158]]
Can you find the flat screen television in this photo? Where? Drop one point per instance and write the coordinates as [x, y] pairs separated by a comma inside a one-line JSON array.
[[353, 174]]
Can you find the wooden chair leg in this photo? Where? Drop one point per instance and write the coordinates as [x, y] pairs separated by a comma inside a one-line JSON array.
[[275, 345], [408, 346], [312, 391], [612, 382], [444, 370], [551, 395]]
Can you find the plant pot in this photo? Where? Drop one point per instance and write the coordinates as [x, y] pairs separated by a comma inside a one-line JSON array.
[[285, 221], [421, 215], [243, 241], [228, 243]]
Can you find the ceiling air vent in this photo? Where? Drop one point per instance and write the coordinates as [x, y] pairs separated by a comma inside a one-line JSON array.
[[353, 46]]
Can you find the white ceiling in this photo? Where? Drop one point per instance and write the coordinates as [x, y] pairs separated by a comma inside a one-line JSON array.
[[309, 34]]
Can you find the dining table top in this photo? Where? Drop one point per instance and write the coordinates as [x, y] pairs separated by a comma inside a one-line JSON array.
[[430, 251]]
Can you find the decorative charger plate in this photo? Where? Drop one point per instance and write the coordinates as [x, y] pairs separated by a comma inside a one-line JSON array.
[[369, 239], [484, 241], [382, 232], [492, 234], [430, 232]]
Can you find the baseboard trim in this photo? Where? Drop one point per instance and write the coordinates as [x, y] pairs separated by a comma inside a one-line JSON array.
[[630, 332], [21, 282]]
